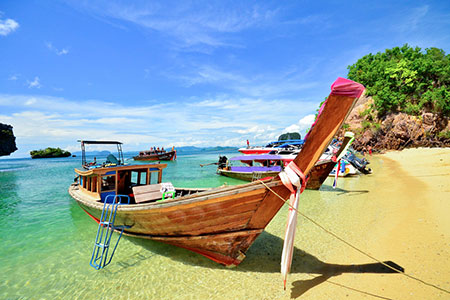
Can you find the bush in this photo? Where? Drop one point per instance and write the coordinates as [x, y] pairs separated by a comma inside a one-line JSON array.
[[445, 134], [406, 79]]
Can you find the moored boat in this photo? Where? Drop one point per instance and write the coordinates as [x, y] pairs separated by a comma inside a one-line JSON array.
[[257, 167], [317, 175], [219, 223], [271, 146], [345, 169], [269, 165], [156, 154]]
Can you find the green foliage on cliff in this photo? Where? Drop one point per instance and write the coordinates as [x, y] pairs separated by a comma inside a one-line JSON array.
[[49, 152], [406, 79]]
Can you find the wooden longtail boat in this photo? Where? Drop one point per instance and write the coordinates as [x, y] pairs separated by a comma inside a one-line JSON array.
[[257, 167], [219, 223], [156, 155]]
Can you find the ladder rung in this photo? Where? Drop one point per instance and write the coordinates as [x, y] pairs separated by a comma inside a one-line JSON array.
[[108, 213]]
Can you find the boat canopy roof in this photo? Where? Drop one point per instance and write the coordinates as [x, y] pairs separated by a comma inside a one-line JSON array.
[[286, 142], [257, 157], [291, 144], [100, 142], [111, 159]]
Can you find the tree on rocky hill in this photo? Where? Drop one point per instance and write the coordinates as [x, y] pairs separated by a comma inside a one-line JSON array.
[[406, 79], [407, 102]]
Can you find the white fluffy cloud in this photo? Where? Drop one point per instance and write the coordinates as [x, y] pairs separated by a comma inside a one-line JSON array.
[[35, 83], [302, 125], [7, 26], [42, 121], [52, 48]]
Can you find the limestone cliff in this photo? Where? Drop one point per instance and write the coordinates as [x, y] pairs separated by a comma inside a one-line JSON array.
[[396, 130], [7, 140]]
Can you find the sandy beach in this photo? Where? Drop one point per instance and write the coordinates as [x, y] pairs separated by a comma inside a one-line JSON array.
[[400, 215]]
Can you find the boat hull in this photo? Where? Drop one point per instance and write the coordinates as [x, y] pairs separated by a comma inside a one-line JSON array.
[[247, 176], [160, 156], [220, 226], [319, 173], [214, 246], [255, 150]]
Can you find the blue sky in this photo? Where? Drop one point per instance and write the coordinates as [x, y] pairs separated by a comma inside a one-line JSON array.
[[200, 73]]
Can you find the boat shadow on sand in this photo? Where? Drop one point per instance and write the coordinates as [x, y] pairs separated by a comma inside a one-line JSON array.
[[264, 256]]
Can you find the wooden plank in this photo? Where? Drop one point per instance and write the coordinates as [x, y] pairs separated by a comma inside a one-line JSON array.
[[194, 218], [328, 123], [336, 109], [224, 224], [145, 193]]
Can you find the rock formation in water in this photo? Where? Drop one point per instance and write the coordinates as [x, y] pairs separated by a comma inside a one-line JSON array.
[[7, 140], [49, 153]]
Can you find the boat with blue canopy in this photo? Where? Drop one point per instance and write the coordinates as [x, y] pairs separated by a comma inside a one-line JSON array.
[[271, 146]]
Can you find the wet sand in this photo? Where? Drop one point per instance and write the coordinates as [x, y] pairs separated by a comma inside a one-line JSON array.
[[401, 214]]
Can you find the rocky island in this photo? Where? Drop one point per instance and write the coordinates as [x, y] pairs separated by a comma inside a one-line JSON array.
[[49, 153], [407, 100], [7, 140]]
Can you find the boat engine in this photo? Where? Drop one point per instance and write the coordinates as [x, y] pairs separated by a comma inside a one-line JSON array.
[[223, 161]]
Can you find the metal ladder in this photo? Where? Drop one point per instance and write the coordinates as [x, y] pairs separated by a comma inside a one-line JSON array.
[[105, 230]]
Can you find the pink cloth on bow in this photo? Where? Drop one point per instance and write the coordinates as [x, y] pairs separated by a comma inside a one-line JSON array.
[[346, 87]]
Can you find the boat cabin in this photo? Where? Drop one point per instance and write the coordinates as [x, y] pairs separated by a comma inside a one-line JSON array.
[[118, 180], [113, 177]]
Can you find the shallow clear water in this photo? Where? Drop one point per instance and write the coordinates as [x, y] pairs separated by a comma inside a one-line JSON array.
[[46, 241]]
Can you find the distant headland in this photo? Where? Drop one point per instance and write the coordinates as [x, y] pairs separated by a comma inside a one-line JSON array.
[[49, 153]]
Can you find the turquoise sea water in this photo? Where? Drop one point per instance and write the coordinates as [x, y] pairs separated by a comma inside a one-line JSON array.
[[46, 242]]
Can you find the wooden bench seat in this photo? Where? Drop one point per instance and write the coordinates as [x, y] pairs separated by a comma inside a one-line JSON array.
[[151, 192]]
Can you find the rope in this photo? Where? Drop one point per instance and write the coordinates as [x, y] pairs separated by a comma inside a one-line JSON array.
[[355, 290], [354, 247]]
